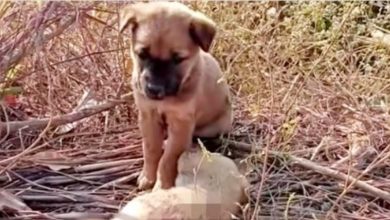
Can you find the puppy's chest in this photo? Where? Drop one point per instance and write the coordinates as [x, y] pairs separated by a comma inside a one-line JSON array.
[[166, 113], [172, 110]]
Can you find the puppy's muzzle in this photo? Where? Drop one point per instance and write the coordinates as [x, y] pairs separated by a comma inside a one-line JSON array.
[[161, 86], [154, 91], [161, 78]]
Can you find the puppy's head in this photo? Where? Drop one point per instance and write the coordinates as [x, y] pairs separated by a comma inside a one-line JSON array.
[[166, 39]]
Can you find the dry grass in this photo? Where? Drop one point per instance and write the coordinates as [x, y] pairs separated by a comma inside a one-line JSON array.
[[311, 80]]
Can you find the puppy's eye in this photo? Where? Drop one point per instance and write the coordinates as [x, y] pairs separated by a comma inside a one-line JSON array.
[[176, 58], [143, 54]]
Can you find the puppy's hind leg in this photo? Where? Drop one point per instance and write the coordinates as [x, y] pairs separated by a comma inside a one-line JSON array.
[[210, 134], [221, 125]]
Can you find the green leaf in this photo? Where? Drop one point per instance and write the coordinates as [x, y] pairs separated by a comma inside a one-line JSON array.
[[15, 90]]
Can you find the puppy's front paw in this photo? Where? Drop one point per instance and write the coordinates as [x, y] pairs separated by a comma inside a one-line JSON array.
[[145, 183], [157, 186], [162, 185]]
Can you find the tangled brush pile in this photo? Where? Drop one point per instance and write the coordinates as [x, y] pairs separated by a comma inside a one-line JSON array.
[[310, 81]]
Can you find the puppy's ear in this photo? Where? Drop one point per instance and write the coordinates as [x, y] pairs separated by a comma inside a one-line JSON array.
[[202, 31], [127, 17]]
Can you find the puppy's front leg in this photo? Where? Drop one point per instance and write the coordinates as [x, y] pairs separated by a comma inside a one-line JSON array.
[[152, 135], [180, 133]]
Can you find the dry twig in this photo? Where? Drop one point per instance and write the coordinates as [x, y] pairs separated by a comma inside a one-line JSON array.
[[38, 124]]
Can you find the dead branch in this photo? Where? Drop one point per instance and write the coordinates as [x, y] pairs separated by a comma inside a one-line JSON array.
[[38, 124], [241, 146], [83, 215], [341, 176], [325, 171], [97, 166]]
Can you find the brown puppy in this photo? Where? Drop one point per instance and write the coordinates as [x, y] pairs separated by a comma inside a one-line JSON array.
[[175, 83], [206, 189]]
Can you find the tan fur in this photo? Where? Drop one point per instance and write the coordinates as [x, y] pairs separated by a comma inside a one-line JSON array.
[[206, 189], [202, 107]]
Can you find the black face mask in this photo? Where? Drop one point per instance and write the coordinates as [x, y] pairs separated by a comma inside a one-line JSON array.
[[162, 77]]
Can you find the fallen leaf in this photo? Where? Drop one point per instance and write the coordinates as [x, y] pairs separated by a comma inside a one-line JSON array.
[[381, 37], [52, 159], [55, 167], [87, 100], [8, 200]]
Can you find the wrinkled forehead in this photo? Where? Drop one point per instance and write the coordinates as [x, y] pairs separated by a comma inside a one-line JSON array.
[[164, 36]]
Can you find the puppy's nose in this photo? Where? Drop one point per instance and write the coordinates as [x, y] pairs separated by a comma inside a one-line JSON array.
[[156, 91]]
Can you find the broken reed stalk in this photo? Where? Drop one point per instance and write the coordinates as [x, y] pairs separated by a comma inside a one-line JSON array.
[[374, 191]]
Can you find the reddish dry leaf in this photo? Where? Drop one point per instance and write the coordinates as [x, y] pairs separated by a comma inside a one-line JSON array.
[[10, 100]]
